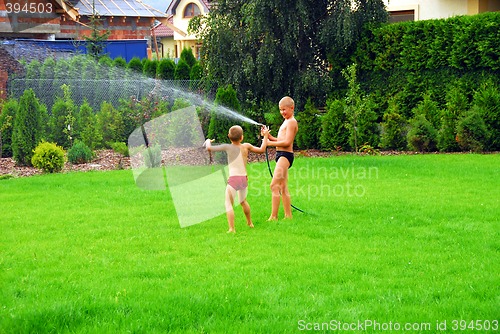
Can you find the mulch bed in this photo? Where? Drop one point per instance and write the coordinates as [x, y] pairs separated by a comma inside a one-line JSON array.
[[110, 160]]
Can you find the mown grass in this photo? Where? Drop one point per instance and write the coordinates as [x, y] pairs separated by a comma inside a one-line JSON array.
[[415, 241]]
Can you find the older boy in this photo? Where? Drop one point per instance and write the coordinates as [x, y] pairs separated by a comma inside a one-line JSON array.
[[284, 158], [237, 157]]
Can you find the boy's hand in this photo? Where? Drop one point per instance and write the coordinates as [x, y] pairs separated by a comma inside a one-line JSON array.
[[264, 131], [208, 143]]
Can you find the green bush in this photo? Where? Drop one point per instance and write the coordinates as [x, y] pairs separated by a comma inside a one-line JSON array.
[[472, 133], [487, 101], [309, 123], [181, 70], [196, 72], [80, 153], [110, 123], [61, 117], [166, 69], [48, 157], [188, 57], [8, 110], [456, 105], [135, 64], [422, 136], [394, 130], [120, 147], [87, 129], [220, 123], [150, 68], [29, 127], [334, 133]]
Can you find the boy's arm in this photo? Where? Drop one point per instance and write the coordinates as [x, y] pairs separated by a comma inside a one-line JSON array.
[[262, 147], [217, 148], [291, 131]]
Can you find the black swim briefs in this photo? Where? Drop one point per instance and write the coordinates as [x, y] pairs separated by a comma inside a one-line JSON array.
[[288, 155]]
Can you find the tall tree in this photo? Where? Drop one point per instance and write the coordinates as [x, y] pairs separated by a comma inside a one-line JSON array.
[[273, 48]]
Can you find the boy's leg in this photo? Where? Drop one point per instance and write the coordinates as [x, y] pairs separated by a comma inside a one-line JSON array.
[[242, 196], [230, 192], [287, 201], [278, 185]]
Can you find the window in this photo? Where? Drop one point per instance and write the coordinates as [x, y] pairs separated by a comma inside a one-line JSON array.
[[401, 15], [192, 10]]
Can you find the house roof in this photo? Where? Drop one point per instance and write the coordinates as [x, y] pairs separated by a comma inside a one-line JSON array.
[[115, 8], [161, 30], [173, 6]]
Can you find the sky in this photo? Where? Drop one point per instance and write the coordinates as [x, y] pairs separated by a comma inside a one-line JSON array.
[[158, 4]]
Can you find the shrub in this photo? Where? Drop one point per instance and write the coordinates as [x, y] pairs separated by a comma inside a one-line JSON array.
[[86, 126], [7, 113], [188, 57], [334, 134], [220, 123], [166, 69], [29, 127], [48, 157], [120, 147], [487, 100], [394, 130], [150, 67], [422, 135], [120, 62], [308, 134], [79, 153], [62, 117], [472, 133], [110, 123], [196, 72], [456, 105], [181, 70], [135, 65]]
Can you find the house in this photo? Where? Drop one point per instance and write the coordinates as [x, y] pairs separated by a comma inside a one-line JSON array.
[[413, 10], [173, 34], [55, 23]]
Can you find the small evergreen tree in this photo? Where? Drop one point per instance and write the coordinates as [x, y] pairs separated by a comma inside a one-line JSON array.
[[166, 69], [472, 131], [28, 129], [8, 110], [61, 117], [181, 70], [135, 65], [96, 41], [334, 133], [86, 126], [111, 124], [188, 57], [219, 122], [422, 136], [308, 134]]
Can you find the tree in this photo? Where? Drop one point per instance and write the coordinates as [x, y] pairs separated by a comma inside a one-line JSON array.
[[28, 128], [95, 42], [270, 48]]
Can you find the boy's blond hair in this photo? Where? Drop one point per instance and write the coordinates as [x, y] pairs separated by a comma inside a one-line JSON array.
[[235, 133]]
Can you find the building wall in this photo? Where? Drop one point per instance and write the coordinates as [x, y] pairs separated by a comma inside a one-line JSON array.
[[120, 28], [437, 9]]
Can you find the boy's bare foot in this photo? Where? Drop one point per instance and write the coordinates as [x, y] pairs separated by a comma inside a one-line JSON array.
[[250, 225], [272, 219], [231, 231], [287, 218]]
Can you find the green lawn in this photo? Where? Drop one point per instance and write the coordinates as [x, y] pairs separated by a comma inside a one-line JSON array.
[[386, 240]]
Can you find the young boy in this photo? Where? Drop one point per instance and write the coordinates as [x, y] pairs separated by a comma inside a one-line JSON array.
[[237, 157], [284, 158]]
